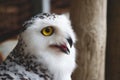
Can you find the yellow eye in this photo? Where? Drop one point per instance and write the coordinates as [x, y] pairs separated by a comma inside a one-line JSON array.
[[47, 31]]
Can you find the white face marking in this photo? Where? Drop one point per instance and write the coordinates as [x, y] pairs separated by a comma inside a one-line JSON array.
[[62, 31]]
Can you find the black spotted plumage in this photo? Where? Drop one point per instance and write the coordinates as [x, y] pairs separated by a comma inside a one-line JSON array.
[[21, 66]]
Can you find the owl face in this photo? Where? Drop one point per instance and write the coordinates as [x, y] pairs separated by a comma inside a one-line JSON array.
[[50, 33]]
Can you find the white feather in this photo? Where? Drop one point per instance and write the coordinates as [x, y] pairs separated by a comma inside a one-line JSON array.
[[58, 63]]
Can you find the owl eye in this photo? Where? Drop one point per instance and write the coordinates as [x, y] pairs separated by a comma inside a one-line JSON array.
[[47, 31]]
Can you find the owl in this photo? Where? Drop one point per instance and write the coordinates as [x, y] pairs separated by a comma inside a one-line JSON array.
[[45, 50]]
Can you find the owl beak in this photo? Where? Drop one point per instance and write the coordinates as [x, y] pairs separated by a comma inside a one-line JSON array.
[[70, 41], [63, 47]]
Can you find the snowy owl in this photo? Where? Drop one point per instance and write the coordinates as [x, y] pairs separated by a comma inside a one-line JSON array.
[[45, 50]]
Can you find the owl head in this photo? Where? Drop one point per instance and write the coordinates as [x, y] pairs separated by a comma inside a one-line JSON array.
[[49, 33]]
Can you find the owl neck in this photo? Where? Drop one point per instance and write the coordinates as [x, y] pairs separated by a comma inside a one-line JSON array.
[[28, 61], [22, 57]]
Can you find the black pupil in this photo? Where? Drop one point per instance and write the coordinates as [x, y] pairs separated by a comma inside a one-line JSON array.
[[47, 30]]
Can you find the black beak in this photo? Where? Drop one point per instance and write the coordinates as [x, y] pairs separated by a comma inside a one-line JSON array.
[[63, 47], [66, 51], [70, 41]]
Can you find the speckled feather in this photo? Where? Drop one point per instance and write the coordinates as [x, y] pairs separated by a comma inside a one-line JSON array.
[[21, 66]]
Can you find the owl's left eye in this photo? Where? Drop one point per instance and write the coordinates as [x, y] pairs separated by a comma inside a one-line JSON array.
[[47, 31]]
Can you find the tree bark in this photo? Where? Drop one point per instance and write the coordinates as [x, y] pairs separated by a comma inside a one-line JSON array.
[[89, 22]]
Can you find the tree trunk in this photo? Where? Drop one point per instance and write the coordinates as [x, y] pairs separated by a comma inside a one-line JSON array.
[[89, 21]]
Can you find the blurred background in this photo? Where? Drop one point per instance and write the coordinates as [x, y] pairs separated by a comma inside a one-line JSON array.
[[13, 13]]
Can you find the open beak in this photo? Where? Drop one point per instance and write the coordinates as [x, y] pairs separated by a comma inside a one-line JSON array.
[[63, 47]]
